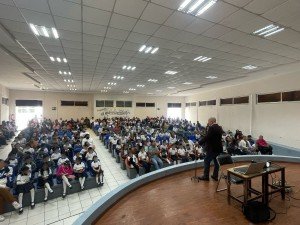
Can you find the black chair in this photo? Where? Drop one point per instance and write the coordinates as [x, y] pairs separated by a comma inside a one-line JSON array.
[[226, 159]]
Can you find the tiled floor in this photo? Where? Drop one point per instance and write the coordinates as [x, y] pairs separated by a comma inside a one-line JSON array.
[[65, 211]]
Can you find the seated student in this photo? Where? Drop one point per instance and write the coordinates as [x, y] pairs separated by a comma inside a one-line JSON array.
[[133, 161], [30, 164], [244, 147], [182, 154], [55, 155], [45, 179], [62, 159], [24, 185], [263, 147], [65, 172], [89, 157], [77, 155], [124, 151], [173, 152], [164, 152], [153, 154], [79, 172], [96, 167], [4, 174], [250, 140], [118, 147], [144, 160], [6, 197], [88, 139]]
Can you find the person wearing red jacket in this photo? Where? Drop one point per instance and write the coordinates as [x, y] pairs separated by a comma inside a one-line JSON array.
[[65, 171]]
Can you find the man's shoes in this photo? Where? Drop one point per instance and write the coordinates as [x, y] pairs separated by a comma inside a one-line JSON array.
[[214, 178], [203, 178]]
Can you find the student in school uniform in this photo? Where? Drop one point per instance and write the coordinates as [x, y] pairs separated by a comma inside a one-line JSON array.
[[164, 152], [24, 185], [80, 172], [173, 152], [45, 179], [96, 167], [55, 155], [182, 154], [65, 172], [144, 160], [89, 157], [6, 197], [133, 161]]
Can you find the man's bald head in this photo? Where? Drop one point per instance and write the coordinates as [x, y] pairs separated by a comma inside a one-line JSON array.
[[211, 121]]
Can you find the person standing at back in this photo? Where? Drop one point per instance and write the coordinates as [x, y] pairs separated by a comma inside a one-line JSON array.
[[212, 142]]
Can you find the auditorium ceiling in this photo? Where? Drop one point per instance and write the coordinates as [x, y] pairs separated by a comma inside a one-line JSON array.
[[155, 47]]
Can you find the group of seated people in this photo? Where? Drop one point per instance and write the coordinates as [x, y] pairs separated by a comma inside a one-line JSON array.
[[7, 131], [153, 141], [46, 154]]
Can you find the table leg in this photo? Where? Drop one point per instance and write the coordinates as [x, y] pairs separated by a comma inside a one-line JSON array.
[[228, 187], [246, 184], [283, 183], [265, 187]]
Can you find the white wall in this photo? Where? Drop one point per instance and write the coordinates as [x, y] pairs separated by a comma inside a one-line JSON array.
[[278, 122], [4, 109]]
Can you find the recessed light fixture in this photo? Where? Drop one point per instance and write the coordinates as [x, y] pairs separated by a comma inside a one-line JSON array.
[[118, 77], [268, 30], [152, 80], [140, 85], [107, 88], [64, 72], [57, 59], [132, 89], [187, 83], [112, 83], [128, 67], [249, 67], [171, 72], [159, 90], [44, 31], [196, 7], [150, 93], [211, 77], [202, 58], [170, 87], [104, 91], [148, 49], [70, 73], [125, 92]]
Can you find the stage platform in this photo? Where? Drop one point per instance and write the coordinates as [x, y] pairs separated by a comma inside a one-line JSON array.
[[178, 200]]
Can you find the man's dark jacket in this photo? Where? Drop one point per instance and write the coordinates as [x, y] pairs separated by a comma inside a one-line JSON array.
[[212, 141]]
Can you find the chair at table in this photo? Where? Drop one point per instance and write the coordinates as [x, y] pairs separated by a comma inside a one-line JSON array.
[[226, 159]]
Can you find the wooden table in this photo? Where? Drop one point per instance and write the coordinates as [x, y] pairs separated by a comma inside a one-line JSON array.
[[247, 185]]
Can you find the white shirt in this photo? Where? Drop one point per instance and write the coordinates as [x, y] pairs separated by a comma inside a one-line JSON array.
[[95, 164], [181, 151], [89, 156], [90, 141], [78, 167], [142, 155], [242, 145], [55, 155], [173, 151], [61, 161], [22, 179]]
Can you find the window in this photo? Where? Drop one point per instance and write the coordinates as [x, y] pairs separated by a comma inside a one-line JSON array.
[[226, 101], [5, 101], [193, 104], [67, 103], [99, 103], [241, 100], [211, 102], [174, 105], [123, 103], [29, 103], [187, 104], [120, 103], [291, 96], [202, 103], [275, 97], [150, 104], [81, 103], [104, 103], [140, 104]]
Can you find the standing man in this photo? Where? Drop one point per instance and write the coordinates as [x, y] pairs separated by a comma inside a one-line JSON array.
[[212, 147]]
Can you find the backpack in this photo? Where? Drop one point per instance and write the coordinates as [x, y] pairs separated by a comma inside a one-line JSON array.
[[258, 212]]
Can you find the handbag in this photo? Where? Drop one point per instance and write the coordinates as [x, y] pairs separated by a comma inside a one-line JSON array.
[[257, 212]]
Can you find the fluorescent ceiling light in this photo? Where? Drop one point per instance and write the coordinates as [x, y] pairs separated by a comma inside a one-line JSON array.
[[124, 67], [68, 81], [206, 7], [148, 50], [58, 59], [65, 72], [184, 4], [72, 81], [59, 72], [249, 67], [274, 32], [65, 60], [268, 30], [142, 48], [152, 80], [107, 88], [70, 73], [196, 5], [111, 83], [52, 59], [55, 34], [45, 32], [129, 67], [65, 80], [202, 58], [171, 72], [125, 92], [187, 83], [133, 68], [154, 50], [140, 85], [34, 30], [211, 77], [170, 87]]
